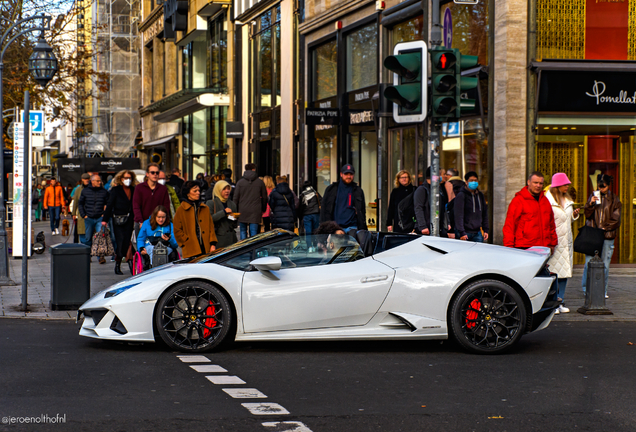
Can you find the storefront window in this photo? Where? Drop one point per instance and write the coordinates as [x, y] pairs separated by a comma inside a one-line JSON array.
[[266, 48], [326, 156], [407, 31], [218, 55], [584, 29], [186, 66], [465, 148], [218, 150], [325, 70], [403, 153], [364, 157], [194, 57], [362, 57]]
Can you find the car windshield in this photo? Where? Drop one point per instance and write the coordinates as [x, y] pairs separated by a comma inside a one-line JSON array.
[[239, 245]]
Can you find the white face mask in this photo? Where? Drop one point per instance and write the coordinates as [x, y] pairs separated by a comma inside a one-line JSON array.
[[162, 181], [127, 182]]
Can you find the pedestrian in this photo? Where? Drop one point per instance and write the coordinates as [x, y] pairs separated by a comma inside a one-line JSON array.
[[176, 182], [119, 209], [470, 211], [403, 187], [227, 176], [603, 210], [454, 183], [203, 184], [530, 220], [221, 207], [157, 229], [250, 196], [269, 186], [344, 203], [282, 203], [54, 202], [38, 198], [148, 195], [68, 196], [174, 198], [422, 208], [193, 224], [80, 227], [562, 260], [92, 203], [309, 208]]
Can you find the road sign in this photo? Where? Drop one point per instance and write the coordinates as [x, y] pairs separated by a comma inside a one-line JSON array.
[[21, 186], [448, 28], [37, 120]]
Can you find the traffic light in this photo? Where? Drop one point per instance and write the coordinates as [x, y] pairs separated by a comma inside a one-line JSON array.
[[443, 83], [409, 64], [465, 83]]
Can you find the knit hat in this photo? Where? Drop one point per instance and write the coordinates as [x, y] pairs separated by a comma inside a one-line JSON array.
[[560, 179]]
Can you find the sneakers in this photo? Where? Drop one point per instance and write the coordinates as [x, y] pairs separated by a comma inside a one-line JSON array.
[[563, 309], [556, 311], [53, 233], [57, 231]]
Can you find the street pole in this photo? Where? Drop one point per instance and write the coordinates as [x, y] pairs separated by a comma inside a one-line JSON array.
[[26, 214], [434, 138]]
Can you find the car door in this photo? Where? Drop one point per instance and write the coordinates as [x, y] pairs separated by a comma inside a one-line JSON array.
[[314, 296]]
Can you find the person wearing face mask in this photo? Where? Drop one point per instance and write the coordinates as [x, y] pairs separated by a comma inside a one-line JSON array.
[[471, 211], [174, 198], [603, 210], [148, 195], [120, 210]]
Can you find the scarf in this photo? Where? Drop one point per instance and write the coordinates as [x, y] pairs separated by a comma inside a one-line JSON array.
[[218, 188]]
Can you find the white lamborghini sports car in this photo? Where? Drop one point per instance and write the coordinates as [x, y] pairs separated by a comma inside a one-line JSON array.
[[278, 286]]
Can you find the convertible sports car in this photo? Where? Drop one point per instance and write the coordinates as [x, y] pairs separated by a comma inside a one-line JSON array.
[[279, 286]]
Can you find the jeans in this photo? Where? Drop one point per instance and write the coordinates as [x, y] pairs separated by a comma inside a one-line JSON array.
[[54, 216], [477, 237], [311, 222], [92, 226], [561, 284], [606, 256], [243, 228]]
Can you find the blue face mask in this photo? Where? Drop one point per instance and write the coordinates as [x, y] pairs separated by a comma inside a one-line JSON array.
[[473, 185]]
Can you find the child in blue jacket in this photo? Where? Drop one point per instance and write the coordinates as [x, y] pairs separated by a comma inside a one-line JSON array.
[[154, 229]]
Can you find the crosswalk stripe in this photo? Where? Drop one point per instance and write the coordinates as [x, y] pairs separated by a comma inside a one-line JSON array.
[[193, 359], [225, 379], [288, 426], [265, 408], [208, 368], [239, 393]]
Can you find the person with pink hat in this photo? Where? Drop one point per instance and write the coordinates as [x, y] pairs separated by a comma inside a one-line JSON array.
[[561, 262]]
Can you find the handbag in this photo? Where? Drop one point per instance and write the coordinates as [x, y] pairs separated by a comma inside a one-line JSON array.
[[121, 220], [102, 245], [589, 240]]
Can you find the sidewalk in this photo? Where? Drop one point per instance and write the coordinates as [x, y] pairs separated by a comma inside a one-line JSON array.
[[622, 287], [39, 281]]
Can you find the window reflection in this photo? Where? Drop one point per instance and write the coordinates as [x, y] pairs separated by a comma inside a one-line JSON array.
[[325, 70], [362, 57]]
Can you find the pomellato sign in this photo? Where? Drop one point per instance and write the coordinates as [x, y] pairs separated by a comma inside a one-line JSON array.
[[587, 91]]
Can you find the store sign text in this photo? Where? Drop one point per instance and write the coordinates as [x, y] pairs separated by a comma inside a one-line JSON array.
[[598, 89]]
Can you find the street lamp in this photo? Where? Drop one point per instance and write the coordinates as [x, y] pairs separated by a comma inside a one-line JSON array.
[[11, 34], [42, 63]]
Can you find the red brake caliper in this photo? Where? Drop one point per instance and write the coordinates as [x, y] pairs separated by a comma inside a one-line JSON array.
[[209, 322], [475, 305]]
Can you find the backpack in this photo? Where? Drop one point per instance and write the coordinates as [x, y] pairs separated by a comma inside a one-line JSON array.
[[406, 213]]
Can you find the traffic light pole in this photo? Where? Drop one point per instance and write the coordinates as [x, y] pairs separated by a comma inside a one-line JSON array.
[[434, 138]]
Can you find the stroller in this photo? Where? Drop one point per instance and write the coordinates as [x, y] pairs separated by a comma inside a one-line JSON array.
[[160, 256]]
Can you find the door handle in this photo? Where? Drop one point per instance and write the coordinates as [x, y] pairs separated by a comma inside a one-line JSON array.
[[374, 278]]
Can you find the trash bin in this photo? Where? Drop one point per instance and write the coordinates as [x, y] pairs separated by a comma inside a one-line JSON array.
[[70, 275]]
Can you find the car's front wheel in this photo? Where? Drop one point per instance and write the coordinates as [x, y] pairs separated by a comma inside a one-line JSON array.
[[193, 317], [487, 316]]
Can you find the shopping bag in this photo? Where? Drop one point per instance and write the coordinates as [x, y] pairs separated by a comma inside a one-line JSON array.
[[589, 240], [102, 244]]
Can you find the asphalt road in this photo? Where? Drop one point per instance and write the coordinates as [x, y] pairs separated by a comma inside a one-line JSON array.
[[576, 376]]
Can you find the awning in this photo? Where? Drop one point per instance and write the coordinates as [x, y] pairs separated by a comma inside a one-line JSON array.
[[159, 141], [193, 105]]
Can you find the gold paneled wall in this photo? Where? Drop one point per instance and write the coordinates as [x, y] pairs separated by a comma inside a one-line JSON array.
[[631, 32], [627, 193], [561, 29]]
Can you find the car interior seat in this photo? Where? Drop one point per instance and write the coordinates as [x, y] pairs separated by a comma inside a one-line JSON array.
[[367, 242]]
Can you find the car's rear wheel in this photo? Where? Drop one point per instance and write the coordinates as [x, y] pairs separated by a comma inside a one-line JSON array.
[[193, 317], [487, 316]]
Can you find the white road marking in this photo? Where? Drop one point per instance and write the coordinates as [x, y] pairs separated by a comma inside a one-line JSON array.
[[265, 408], [208, 368], [225, 379], [193, 359], [238, 393], [290, 426]]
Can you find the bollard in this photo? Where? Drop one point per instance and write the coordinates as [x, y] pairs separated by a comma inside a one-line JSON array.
[[595, 292]]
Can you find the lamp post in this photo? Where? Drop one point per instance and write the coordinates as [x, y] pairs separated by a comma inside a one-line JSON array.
[[6, 39]]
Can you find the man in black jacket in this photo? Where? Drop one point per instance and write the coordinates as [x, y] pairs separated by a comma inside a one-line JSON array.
[[344, 202], [309, 207], [422, 207], [471, 211], [92, 203]]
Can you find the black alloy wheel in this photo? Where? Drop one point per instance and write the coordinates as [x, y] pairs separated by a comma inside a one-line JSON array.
[[488, 317], [193, 317]]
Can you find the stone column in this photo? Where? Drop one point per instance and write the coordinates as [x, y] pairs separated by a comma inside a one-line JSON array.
[[287, 90], [509, 107]]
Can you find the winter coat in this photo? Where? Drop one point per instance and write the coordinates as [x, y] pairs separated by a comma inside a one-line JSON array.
[[223, 227], [457, 183], [561, 261], [529, 222], [81, 228], [185, 231], [92, 202], [397, 195], [145, 200], [119, 204], [283, 207], [309, 202], [267, 210], [146, 232], [329, 204], [606, 215], [177, 183], [54, 197], [422, 208], [471, 212], [174, 200], [250, 196]]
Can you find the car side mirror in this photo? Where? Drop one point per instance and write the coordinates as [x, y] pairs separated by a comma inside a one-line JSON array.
[[268, 264]]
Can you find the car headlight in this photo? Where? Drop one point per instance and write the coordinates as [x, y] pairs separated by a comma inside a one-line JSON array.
[[117, 291]]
